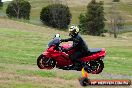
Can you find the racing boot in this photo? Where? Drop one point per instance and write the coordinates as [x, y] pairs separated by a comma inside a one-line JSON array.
[[76, 66]]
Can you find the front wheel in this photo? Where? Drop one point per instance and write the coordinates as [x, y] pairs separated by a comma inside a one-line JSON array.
[[45, 63]]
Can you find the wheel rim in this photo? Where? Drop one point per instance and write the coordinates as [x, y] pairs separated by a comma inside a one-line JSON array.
[[45, 63], [41, 63], [96, 67]]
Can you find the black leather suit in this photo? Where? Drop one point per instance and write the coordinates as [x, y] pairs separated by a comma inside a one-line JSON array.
[[79, 45]]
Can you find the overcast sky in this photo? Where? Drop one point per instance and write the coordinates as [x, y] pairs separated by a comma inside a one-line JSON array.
[[6, 0]]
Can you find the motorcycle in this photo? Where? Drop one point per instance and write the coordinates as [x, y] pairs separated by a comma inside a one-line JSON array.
[[55, 57]]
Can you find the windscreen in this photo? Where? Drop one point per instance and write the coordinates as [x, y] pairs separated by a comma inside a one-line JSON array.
[[55, 41]]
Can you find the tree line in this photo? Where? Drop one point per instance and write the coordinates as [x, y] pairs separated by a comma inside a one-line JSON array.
[[59, 15]]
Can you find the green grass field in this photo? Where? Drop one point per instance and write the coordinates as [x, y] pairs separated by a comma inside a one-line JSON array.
[[21, 44]]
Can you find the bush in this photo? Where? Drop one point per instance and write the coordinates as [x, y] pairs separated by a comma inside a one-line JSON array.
[[92, 22], [82, 24], [116, 0], [56, 15], [19, 9]]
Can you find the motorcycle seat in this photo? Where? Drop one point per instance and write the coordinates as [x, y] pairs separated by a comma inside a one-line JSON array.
[[93, 51]]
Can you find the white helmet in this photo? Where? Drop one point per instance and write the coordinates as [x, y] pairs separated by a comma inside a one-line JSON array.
[[57, 36]]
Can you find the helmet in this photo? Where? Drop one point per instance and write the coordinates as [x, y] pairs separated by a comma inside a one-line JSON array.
[[74, 30], [57, 36]]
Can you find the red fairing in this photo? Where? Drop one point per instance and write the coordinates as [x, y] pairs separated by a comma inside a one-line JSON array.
[[66, 46], [94, 56], [49, 51], [62, 59]]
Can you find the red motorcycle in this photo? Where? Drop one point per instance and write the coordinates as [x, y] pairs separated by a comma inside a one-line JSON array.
[[54, 56]]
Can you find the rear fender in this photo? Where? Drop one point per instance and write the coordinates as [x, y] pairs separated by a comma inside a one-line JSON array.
[[101, 58], [102, 53], [96, 56]]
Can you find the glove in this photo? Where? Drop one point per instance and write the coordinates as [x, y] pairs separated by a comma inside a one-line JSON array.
[[64, 50], [63, 40], [60, 41]]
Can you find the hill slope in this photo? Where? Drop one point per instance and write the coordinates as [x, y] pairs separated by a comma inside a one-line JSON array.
[[21, 44], [79, 6]]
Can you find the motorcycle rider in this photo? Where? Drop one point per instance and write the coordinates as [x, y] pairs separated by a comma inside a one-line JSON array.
[[78, 44]]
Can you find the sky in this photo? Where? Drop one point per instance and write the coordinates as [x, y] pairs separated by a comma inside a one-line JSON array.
[[6, 0]]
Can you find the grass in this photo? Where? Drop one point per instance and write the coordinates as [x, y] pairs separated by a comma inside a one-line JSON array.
[[23, 47], [37, 73], [120, 58], [126, 8], [70, 76], [21, 43]]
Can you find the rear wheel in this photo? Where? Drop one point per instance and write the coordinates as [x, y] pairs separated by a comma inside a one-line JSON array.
[[45, 63], [96, 66]]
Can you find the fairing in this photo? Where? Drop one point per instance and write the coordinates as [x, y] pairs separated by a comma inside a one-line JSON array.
[[95, 56], [63, 59]]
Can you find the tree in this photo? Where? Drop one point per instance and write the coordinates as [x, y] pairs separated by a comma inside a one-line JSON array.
[[83, 24], [1, 4], [92, 22], [116, 21], [19, 9], [56, 15]]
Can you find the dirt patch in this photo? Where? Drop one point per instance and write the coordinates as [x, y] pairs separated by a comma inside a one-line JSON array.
[[115, 76], [9, 78], [54, 82]]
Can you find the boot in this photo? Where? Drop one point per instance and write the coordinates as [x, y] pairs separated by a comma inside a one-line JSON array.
[[75, 66], [87, 69]]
